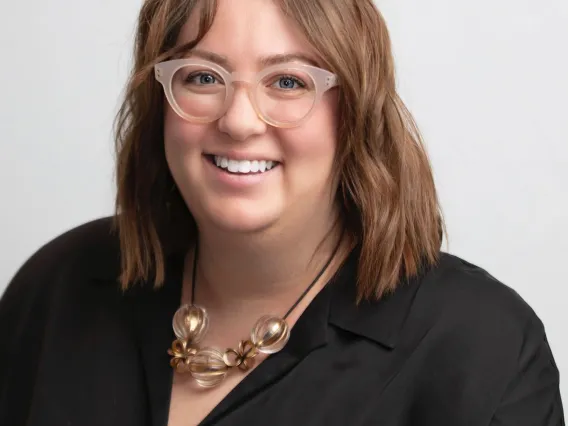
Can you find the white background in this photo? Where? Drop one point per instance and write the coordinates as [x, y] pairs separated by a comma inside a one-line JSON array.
[[487, 81]]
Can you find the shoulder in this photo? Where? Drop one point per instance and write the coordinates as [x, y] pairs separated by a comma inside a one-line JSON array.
[[475, 335], [58, 275], [90, 250], [475, 322], [464, 294], [51, 297]]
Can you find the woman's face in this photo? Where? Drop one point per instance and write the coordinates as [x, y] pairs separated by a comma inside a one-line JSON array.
[[299, 187]]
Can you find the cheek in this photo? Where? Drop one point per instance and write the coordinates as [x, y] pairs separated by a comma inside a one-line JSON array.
[[180, 136], [316, 140]]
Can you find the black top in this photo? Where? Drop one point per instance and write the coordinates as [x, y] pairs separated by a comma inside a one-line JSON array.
[[452, 347]]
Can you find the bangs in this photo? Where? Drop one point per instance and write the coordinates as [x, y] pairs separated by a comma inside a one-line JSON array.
[[207, 10]]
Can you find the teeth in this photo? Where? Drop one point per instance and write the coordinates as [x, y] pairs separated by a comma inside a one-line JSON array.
[[244, 166], [233, 166]]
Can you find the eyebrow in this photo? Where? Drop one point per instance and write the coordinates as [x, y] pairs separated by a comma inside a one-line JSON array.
[[264, 61]]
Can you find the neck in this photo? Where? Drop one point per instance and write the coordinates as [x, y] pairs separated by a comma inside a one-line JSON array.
[[265, 269]]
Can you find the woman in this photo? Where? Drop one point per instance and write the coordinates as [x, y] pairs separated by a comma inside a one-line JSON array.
[[275, 256]]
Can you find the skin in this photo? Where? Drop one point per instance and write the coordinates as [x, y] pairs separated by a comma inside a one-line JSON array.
[[260, 245]]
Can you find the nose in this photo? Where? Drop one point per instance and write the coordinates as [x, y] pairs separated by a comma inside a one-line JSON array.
[[241, 121]]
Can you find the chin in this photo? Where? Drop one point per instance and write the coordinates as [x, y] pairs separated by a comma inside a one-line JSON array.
[[235, 218]]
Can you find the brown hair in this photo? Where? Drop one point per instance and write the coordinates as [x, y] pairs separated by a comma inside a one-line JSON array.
[[386, 188]]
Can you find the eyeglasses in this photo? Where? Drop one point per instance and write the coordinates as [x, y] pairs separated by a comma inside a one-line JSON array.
[[282, 95]]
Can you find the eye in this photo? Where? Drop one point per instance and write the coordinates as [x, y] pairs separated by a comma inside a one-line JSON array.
[[288, 82], [202, 78]]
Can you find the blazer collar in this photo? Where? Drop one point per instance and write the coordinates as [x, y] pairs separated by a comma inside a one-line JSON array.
[[380, 321]]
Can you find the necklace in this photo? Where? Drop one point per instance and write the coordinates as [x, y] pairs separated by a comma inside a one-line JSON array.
[[209, 366]]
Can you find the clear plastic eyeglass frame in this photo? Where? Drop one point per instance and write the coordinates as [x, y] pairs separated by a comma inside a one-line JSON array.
[[323, 80]]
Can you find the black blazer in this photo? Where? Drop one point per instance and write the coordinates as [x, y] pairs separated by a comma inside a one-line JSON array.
[[452, 347]]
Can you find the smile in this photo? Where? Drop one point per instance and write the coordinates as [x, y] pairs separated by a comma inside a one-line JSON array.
[[243, 166]]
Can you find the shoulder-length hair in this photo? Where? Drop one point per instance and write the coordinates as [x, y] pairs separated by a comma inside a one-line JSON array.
[[386, 189]]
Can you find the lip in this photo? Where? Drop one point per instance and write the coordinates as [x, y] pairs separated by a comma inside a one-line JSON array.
[[235, 181]]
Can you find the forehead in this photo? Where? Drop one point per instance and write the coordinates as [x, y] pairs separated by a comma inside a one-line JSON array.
[[245, 31]]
